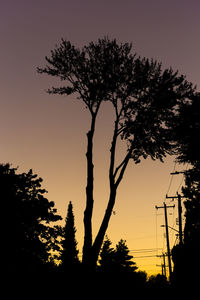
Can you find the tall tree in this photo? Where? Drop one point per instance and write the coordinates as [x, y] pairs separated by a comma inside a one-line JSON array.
[[69, 256], [144, 99], [187, 131], [29, 231]]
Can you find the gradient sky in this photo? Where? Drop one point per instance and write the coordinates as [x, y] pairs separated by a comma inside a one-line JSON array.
[[48, 133]]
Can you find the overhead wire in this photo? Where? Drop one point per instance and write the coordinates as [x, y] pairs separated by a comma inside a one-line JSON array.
[[171, 179], [182, 179]]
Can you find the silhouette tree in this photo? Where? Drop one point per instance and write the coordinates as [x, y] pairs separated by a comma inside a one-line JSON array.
[[144, 98], [187, 131], [107, 256], [123, 260], [69, 256], [116, 260], [157, 281], [192, 193], [29, 237], [186, 257]]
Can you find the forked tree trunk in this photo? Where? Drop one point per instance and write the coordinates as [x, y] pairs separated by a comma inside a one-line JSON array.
[[114, 183], [91, 251]]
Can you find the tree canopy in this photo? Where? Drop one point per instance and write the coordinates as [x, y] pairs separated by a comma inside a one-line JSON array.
[[145, 100], [29, 234], [187, 131], [116, 260]]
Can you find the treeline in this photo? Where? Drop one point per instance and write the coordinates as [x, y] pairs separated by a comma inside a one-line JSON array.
[[36, 244]]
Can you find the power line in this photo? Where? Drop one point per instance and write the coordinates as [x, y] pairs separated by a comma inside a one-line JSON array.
[[170, 183], [146, 250], [183, 172], [145, 256]]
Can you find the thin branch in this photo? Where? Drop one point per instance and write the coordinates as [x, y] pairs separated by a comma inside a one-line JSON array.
[[123, 166], [121, 129], [118, 167]]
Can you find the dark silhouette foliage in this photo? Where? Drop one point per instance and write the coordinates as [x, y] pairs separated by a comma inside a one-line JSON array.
[[157, 281], [69, 253], [123, 259], [186, 134], [29, 237], [145, 101], [186, 257], [118, 264], [107, 256], [191, 191], [116, 260], [187, 131]]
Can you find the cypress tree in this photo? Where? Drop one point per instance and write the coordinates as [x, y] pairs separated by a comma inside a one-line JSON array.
[[69, 256]]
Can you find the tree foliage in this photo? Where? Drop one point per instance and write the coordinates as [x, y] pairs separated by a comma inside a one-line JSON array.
[[145, 101], [187, 131], [107, 256], [116, 260], [29, 234]]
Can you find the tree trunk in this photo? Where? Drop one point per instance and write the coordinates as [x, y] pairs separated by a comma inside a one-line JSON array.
[[89, 195], [113, 191], [91, 252], [104, 225]]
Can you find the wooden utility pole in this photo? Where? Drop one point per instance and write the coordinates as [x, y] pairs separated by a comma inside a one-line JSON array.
[[167, 237], [179, 216], [163, 265], [180, 220], [179, 208]]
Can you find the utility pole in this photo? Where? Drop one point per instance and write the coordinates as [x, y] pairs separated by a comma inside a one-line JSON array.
[[163, 265], [180, 219], [179, 215], [167, 237], [179, 208]]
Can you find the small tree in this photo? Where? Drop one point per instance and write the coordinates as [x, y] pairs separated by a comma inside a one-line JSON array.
[[69, 256], [107, 256], [123, 259], [116, 260]]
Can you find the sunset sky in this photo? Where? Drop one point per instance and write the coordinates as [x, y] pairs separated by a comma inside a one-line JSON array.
[[48, 132]]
